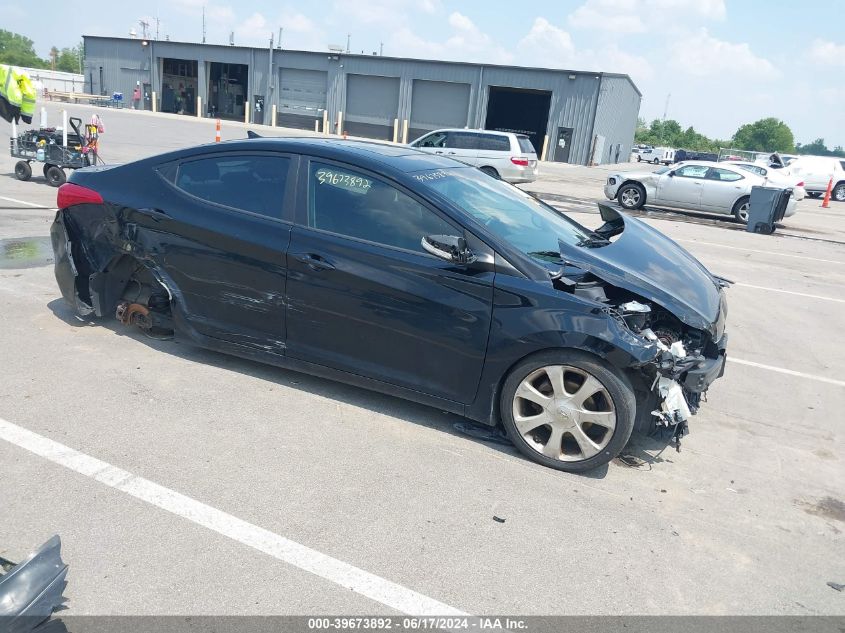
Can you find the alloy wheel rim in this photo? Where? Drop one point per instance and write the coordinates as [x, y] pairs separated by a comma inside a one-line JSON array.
[[839, 193], [743, 212], [564, 413], [630, 197]]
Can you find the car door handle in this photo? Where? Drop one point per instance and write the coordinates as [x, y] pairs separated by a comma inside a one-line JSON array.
[[437, 151], [314, 261], [452, 153]]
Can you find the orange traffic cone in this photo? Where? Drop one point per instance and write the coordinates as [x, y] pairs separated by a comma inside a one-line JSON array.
[[217, 133], [826, 201]]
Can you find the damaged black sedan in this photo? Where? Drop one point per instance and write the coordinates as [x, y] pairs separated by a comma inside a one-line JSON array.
[[406, 273]]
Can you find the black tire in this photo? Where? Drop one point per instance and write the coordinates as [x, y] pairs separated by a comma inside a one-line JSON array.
[[639, 159], [491, 172], [631, 196], [55, 176], [617, 386], [46, 168], [814, 194], [656, 161], [838, 193], [737, 210], [22, 170]]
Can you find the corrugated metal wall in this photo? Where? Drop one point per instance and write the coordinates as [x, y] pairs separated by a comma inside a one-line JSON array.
[[616, 118], [590, 103]]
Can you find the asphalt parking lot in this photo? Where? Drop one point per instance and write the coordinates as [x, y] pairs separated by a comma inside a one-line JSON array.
[[228, 487]]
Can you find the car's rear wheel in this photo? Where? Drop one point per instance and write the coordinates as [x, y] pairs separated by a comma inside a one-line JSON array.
[[568, 410], [22, 170], [46, 168], [740, 209], [656, 161], [55, 176], [839, 192], [490, 171], [631, 196]]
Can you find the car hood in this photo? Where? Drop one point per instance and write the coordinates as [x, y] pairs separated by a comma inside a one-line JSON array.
[[646, 262]]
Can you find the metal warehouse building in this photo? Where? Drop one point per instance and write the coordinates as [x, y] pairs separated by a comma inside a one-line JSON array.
[[579, 117]]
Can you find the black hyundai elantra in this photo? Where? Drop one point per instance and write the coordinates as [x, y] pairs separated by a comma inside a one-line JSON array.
[[406, 273]]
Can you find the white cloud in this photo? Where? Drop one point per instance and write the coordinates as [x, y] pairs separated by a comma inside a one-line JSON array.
[[550, 46], [639, 16], [299, 31], [828, 53], [466, 42], [545, 40], [703, 55]]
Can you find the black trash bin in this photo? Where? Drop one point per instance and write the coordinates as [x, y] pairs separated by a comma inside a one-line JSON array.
[[766, 207]]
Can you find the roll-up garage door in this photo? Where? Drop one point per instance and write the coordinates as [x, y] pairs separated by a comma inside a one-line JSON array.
[[437, 104], [372, 103], [302, 97]]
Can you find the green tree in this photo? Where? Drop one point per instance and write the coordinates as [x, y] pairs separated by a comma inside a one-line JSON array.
[[817, 148], [68, 60], [18, 50], [765, 135]]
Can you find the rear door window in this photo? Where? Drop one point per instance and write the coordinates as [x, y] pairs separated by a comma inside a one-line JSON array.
[[251, 183], [723, 175], [494, 143], [525, 145], [354, 204], [462, 140]]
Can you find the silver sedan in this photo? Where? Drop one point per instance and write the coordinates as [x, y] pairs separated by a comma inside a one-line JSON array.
[[697, 186]]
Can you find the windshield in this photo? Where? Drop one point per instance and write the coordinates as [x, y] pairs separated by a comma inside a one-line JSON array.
[[508, 212]]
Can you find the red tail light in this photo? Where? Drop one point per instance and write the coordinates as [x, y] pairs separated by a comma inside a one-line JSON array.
[[70, 194], [800, 184], [522, 162]]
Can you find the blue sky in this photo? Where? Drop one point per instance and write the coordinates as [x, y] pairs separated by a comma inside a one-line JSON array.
[[725, 62]]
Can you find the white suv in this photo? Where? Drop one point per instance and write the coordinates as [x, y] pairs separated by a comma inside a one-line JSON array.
[[504, 155], [817, 172]]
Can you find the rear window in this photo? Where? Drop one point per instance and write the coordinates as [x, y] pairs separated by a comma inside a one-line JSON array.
[[494, 143], [249, 183], [525, 145]]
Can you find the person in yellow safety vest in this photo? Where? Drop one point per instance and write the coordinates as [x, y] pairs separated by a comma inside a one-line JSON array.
[[10, 94], [28, 93]]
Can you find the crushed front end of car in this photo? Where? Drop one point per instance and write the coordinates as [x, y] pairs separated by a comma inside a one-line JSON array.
[[671, 305]]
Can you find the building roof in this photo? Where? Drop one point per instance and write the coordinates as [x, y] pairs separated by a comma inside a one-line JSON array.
[[385, 57]]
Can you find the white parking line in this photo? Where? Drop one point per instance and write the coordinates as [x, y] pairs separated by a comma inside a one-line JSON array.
[[790, 292], [751, 250], [790, 372], [373, 587], [23, 202]]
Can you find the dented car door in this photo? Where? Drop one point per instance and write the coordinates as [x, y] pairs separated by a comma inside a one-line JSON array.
[[226, 242]]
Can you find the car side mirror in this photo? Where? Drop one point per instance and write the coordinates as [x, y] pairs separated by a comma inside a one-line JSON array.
[[449, 247], [671, 174]]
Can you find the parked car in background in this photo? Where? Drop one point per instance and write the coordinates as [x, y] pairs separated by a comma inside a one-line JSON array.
[[697, 186], [775, 177], [682, 155], [504, 155], [657, 155], [817, 172]]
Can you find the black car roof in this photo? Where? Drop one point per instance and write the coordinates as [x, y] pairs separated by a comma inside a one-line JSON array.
[[373, 155]]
